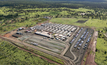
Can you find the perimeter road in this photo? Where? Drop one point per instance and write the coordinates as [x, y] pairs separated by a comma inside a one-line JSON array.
[[74, 44], [82, 51], [66, 61], [68, 40]]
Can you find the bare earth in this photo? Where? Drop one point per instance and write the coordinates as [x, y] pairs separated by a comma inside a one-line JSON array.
[[91, 55]]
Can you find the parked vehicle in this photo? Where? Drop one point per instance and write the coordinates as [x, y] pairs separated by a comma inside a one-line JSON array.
[[78, 48], [75, 46]]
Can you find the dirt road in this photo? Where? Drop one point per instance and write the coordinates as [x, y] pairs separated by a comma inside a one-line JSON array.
[[90, 59], [67, 61]]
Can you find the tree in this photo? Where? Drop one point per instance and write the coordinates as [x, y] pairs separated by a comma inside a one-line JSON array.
[[105, 52], [27, 25], [1, 28], [26, 18]]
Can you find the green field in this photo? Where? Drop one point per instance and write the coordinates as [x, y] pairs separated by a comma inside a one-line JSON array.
[[101, 53], [73, 21], [11, 55], [97, 23]]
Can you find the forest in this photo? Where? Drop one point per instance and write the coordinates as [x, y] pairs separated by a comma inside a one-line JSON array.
[[14, 14]]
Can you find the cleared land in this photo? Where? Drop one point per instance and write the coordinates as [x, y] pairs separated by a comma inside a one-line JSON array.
[[46, 43], [58, 42], [101, 43], [79, 46], [56, 45]]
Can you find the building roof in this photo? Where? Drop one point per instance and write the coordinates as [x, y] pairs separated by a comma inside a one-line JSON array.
[[43, 33]]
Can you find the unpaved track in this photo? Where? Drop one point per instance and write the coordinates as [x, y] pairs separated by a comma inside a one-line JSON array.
[[90, 59], [67, 61], [32, 53], [39, 56]]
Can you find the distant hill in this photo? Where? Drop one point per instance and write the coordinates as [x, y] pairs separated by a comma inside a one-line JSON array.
[[79, 0], [59, 0]]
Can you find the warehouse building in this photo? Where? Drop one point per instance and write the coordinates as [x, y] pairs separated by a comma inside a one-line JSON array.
[[43, 33]]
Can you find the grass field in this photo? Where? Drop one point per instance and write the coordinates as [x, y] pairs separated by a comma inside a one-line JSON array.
[[11, 55], [73, 21], [96, 23], [101, 54]]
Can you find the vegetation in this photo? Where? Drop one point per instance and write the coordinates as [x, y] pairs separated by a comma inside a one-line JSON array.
[[11, 55], [28, 13], [101, 52], [18, 22], [50, 57], [71, 21]]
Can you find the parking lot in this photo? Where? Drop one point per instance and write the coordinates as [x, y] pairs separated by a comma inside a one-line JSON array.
[[79, 44], [49, 36]]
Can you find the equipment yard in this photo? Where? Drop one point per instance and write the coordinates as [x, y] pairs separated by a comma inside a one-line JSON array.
[[79, 45], [67, 40]]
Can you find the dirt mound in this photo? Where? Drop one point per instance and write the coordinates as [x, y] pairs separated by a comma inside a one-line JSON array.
[[7, 35]]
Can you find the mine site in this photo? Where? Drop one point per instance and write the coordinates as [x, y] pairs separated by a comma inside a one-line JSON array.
[[53, 32], [67, 41]]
